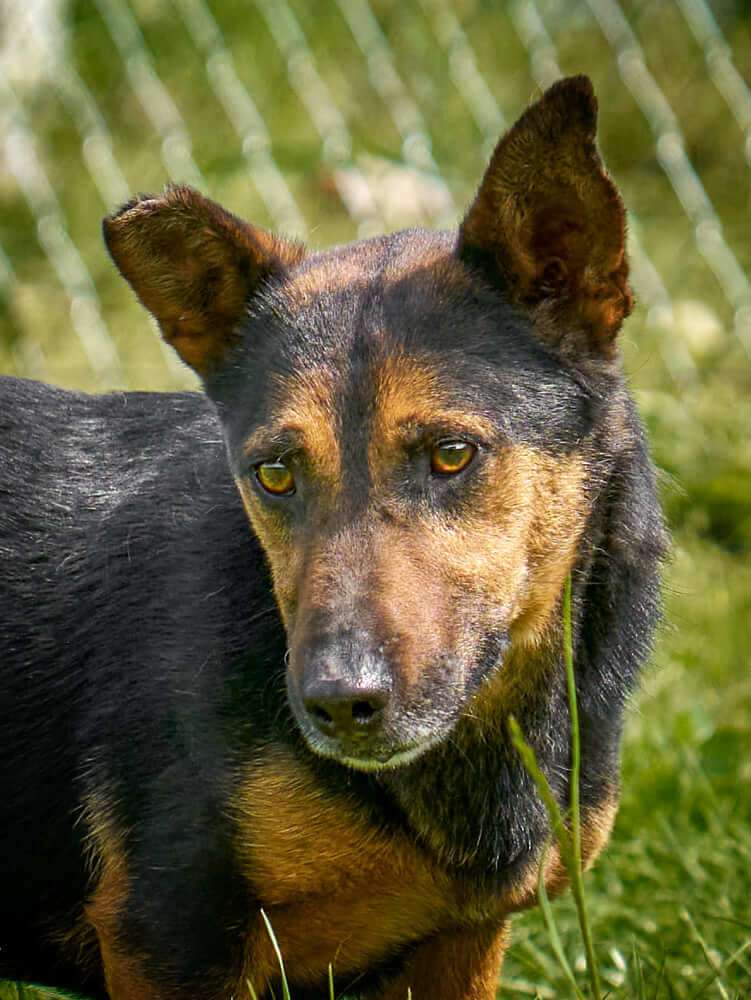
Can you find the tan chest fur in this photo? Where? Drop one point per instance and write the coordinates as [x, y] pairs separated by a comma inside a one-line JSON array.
[[335, 889]]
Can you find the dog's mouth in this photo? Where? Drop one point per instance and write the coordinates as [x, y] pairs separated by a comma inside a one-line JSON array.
[[371, 759]]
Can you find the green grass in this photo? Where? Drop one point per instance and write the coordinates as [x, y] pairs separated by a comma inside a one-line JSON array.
[[669, 901]]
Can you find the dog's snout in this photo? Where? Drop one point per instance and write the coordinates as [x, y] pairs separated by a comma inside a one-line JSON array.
[[346, 688], [351, 710]]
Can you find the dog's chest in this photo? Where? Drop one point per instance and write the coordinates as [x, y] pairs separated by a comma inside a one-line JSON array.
[[335, 889]]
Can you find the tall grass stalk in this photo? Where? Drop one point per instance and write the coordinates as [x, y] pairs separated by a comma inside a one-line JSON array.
[[575, 872], [285, 986], [550, 925], [567, 836]]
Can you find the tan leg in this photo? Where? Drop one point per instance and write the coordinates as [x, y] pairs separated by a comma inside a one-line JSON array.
[[125, 980], [123, 973], [459, 965]]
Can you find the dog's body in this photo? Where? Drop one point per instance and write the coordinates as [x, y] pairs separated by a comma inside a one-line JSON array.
[[427, 436]]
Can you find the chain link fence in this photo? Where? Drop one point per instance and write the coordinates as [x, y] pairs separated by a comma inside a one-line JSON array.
[[344, 118]]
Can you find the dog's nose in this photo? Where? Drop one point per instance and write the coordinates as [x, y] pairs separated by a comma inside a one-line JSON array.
[[347, 710]]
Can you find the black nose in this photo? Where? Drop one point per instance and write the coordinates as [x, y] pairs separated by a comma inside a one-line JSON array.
[[345, 709]]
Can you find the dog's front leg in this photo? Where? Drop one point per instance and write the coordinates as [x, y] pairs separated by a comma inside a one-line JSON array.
[[125, 972], [462, 964], [125, 980], [147, 951]]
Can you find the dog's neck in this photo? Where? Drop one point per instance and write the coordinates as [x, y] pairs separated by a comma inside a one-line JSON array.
[[470, 800]]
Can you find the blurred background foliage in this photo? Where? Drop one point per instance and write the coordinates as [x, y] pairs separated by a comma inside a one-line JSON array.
[[330, 119]]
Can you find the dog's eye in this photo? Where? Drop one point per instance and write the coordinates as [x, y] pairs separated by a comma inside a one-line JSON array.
[[449, 457], [276, 478]]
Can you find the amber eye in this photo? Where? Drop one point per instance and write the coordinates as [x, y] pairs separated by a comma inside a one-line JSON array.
[[449, 457], [276, 478]]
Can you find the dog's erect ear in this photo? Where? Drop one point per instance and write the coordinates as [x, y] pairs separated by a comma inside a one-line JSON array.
[[548, 221], [194, 266]]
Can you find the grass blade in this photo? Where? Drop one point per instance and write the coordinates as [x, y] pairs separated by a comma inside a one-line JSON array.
[[660, 977], [285, 987], [569, 840], [713, 964], [725, 964], [575, 871], [639, 972]]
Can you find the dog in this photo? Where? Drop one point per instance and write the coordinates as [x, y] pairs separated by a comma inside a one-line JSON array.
[[260, 645]]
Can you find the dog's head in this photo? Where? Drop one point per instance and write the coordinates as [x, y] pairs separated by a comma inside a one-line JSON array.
[[407, 420]]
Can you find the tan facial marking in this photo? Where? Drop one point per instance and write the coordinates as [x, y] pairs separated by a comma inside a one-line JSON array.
[[443, 582], [559, 509], [302, 405], [501, 562], [412, 602], [409, 392]]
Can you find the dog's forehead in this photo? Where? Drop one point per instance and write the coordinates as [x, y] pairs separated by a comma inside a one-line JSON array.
[[348, 299], [397, 327], [382, 260]]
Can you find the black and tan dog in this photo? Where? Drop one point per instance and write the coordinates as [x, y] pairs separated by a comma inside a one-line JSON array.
[[200, 719]]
